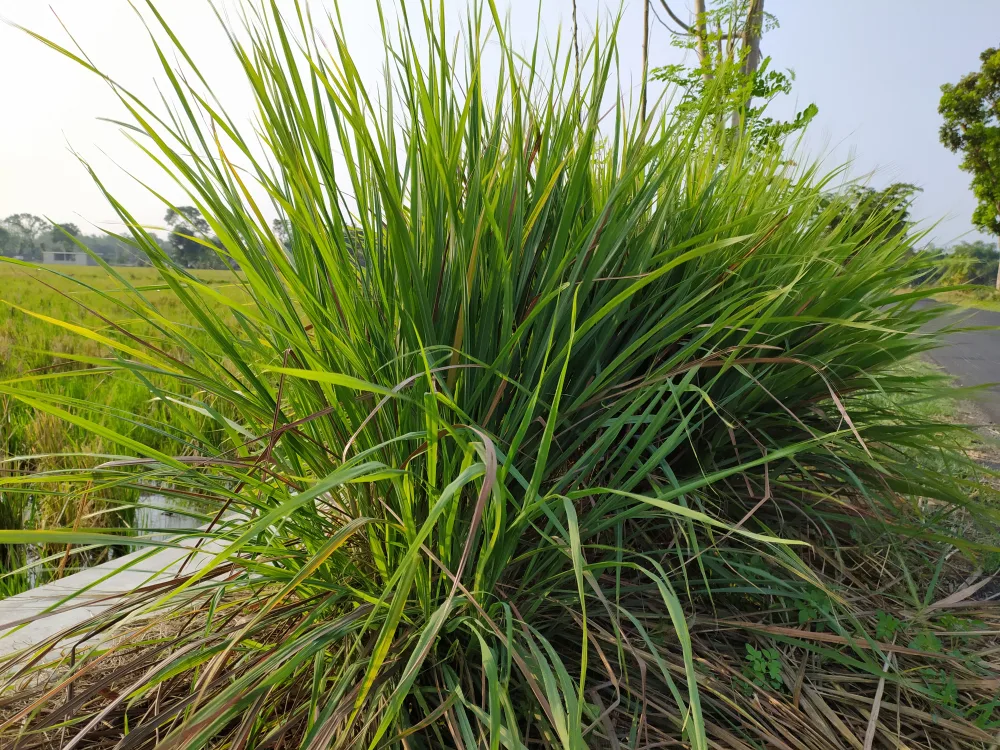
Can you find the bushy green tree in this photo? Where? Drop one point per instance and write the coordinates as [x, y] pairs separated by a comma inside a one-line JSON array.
[[191, 240], [61, 236], [7, 241], [872, 211], [731, 73], [971, 111], [975, 262], [24, 234]]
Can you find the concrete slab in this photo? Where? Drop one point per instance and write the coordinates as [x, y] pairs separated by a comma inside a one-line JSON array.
[[107, 583]]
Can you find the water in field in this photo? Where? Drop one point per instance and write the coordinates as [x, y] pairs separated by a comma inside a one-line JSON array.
[[161, 515], [157, 516]]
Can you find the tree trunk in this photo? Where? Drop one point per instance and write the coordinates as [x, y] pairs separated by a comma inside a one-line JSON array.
[[645, 57], [701, 33], [751, 49], [998, 267], [751, 38]]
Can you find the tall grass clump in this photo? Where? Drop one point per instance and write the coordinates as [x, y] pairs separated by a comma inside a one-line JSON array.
[[536, 425]]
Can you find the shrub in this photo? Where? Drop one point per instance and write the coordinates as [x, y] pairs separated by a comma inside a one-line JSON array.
[[533, 417]]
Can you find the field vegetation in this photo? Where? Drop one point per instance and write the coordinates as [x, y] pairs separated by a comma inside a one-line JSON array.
[[980, 298], [42, 313], [547, 424]]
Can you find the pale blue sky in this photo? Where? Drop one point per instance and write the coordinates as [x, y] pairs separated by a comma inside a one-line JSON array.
[[873, 67]]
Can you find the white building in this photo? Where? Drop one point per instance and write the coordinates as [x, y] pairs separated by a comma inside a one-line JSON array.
[[67, 258]]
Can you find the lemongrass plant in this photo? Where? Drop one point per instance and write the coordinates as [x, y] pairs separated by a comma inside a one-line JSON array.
[[539, 421]]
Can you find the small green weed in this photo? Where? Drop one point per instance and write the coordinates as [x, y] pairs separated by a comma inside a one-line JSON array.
[[927, 641], [982, 715], [941, 686], [763, 667], [960, 624], [886, 626], [816, 608], [981, 298]]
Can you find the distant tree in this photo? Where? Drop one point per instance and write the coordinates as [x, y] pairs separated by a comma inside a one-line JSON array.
[[27, 224], [115, 251], [971, 111], [934, 265], [26, 231], [874, 211], [187, 227], [58, 235], [68, 228], [281, 230], [974, 262], [6, 242]]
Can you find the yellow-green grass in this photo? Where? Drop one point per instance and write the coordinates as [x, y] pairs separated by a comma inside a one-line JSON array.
[[981, 298], [937, 398], [30, 346]]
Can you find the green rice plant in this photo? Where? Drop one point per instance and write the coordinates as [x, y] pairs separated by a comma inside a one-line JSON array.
[[12, 556], [531, 420], [34, 350]]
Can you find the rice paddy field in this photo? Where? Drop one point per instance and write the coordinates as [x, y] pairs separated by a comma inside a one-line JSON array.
[[51, 329]]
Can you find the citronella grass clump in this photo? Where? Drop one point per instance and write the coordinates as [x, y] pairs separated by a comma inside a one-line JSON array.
[[535, 422]]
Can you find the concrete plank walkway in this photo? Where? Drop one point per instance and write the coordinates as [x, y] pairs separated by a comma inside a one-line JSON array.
[[160, 565]]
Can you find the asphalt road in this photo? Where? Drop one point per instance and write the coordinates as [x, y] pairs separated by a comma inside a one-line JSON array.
[[973, 357]]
